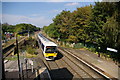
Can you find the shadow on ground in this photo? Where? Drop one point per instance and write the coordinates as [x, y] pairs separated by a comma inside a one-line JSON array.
[[61, 74], [14, 75], [59, 56]]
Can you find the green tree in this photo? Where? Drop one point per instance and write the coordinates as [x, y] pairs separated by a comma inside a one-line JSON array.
[[111, 31], [62, 23], [100, 14], [81, 18]]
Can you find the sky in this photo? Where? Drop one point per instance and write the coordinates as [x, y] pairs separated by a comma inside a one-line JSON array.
[[37, 13]]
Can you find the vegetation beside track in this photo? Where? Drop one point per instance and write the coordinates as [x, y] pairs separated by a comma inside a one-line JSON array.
[[30, 46], [28, 49], [93, 48], [97, 24]]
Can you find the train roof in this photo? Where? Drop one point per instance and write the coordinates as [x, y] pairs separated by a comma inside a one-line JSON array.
[[45, 41]]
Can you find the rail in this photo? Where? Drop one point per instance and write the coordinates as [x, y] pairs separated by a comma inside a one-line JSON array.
[[96, 69], [9, 49]]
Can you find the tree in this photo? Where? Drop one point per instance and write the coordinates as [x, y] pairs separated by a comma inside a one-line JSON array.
[[93, 24], [62, 23], [81, 19], [100, 14], [111, 31]]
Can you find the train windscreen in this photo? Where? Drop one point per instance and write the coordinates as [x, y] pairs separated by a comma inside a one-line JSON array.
[[50, 49]]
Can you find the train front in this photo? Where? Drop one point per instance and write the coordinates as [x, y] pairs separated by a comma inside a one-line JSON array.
[[50, 52]]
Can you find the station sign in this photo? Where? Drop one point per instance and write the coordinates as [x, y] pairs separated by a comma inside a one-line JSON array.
[[111, 49]]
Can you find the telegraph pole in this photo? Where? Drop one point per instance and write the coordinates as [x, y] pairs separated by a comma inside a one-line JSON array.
[[2, 69], [18, 56]]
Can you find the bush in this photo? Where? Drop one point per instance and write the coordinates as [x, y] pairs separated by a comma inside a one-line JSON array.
[[30, 50], [92, 49], [79, 45]]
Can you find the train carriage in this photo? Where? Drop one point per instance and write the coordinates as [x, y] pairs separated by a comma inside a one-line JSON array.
[[49, 48]]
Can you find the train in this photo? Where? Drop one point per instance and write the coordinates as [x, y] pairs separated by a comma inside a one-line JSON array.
[[49, 48]]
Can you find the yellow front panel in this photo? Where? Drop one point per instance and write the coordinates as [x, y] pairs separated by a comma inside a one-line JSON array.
[[50, 54]]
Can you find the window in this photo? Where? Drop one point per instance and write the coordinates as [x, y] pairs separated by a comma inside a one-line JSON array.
[[50, 49], [42, 47]]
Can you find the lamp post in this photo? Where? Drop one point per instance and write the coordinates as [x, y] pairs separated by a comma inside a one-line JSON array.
[[18, 56]]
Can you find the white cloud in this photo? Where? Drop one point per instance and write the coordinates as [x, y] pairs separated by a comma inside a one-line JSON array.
[[0, 15], [16, 19], [34, 15], [57, 0], [56, 11], [34, 0], [72, 4]]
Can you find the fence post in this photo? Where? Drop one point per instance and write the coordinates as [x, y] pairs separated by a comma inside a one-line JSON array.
[[98, 51]]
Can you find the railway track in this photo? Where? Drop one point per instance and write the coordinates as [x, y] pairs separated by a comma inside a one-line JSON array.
[[92, 70], [64, 71], [67, 68], [71, 69], [83, 66], [8, 52], [9, 49], [81, 74]]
